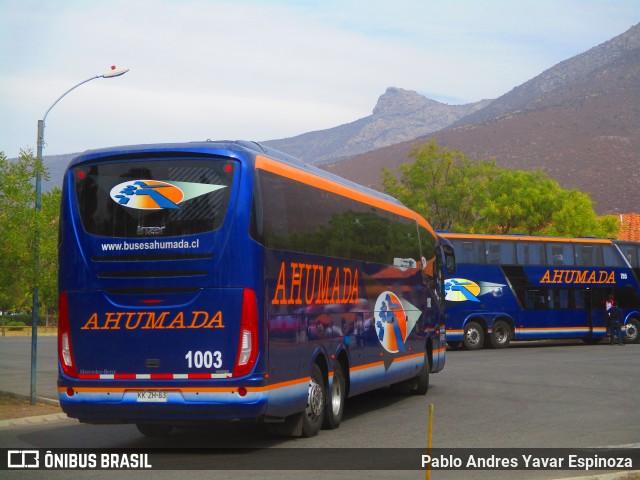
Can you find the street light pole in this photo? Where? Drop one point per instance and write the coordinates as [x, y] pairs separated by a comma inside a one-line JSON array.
[[114, 72]]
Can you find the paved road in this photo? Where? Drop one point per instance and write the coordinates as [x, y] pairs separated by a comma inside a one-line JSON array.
[[15, 365], [557, 395]]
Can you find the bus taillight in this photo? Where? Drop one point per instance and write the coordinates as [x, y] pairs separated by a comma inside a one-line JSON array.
[[248, 342], [65, 353]]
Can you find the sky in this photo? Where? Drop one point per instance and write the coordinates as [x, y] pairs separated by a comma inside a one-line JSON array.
[[267, 69]]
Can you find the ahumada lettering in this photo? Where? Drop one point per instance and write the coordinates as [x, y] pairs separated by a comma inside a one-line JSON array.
[[153, 320], [310, 283], [571, 277]]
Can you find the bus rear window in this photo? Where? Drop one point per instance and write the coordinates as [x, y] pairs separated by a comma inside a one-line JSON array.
[[155, 197]]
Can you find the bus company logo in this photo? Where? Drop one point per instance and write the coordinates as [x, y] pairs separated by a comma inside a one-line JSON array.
[[156, 194], [463, 290], [391, 322], [147, 194]]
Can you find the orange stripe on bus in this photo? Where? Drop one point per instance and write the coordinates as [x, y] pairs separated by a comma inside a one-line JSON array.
[[525, 238], [275, 386], [308, 178]]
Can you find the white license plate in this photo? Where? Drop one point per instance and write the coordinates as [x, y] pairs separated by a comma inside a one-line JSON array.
[[152, 396]]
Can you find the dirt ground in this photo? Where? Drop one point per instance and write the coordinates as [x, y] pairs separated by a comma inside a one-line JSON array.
[[12, 406]]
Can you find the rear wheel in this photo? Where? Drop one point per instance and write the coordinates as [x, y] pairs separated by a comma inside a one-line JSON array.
[[500, 334], [632, 331], [423, 379], [417, 385], [473, 336], [313, 414], [335, 404]]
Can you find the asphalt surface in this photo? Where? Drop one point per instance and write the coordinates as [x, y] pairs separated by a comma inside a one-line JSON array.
[[531, 395]]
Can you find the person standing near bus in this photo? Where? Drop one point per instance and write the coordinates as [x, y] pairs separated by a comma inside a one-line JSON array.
[[610, 301], [614, 321]]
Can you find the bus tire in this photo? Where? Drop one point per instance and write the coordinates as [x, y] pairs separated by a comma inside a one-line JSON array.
[[632, 331], [335, 402], [422, 384], [154, 429], [500, 334], [313, 414], [473, 336]]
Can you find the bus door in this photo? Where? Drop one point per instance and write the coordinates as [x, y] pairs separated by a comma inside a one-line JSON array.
[[584, 308], [587, 298]]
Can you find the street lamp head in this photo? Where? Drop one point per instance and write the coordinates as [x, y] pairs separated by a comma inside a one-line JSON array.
[[114, 72]]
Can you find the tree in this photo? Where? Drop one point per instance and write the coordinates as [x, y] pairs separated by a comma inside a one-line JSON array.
[[457, 194], [515, 201], [19, 223], [441, 184], [48, 228], [573, 215]]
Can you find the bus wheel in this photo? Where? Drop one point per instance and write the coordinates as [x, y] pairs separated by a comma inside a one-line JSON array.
[[473, 336], [154, 430], [335, 404], [313, 414], [500, 334], [633, 331], [422, 385]]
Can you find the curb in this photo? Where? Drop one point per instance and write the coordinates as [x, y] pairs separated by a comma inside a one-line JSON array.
[[34, 419], [48, 401], [37, 420]]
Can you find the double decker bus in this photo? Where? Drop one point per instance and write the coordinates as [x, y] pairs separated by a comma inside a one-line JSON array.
[[517, 287], [228, 281]]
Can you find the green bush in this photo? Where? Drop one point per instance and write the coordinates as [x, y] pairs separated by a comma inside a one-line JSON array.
[[16, 325]]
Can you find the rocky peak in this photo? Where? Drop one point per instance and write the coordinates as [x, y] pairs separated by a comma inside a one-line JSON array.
[[397, 101]]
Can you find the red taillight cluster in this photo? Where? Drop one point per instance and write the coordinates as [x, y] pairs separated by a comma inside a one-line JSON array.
[[248, 341], [65, 352]]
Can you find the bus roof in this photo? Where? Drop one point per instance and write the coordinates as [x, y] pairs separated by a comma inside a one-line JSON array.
[[523, 238], [219, 147]]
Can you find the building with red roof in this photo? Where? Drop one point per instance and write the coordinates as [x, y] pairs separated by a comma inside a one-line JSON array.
[[629, 227]]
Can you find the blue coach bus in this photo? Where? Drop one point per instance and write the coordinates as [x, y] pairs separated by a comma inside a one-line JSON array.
[[532, 288], [226, 280]]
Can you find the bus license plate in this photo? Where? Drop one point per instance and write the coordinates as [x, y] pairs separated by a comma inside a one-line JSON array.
[[152, 396]]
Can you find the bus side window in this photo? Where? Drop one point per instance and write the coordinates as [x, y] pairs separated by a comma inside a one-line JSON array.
[[630, 255], [610, 257], [560, 254], [493, 253], [509, 253], [589, 255], [534, 300], [469, 251], [579, 298], [530, 253]]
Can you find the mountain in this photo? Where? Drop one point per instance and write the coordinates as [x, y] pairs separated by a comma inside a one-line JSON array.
[[579, 121], [399, 115]]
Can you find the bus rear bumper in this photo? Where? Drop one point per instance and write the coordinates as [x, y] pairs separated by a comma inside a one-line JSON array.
[[163, 405]]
